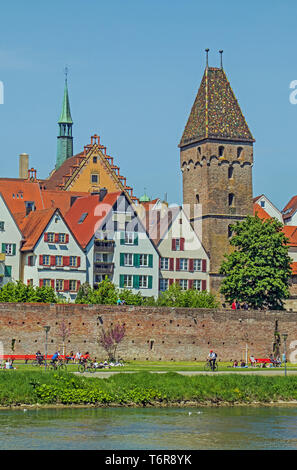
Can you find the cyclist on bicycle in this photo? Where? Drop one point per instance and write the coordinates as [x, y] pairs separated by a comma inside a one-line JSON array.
[[39, 357], [55, 357], [212, 359]]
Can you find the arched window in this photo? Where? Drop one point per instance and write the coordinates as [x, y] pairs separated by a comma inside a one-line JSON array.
[[229, 231], [221, 151], [230, 172], [231, 199], [239, 151], [197, 198]]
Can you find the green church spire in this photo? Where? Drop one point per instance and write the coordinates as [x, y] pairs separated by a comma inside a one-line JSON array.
[[65, 139]]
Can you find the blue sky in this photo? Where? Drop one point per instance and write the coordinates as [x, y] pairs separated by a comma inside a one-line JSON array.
[[134, 70]]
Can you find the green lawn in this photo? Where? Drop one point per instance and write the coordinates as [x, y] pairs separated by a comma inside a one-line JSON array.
[[159, 366]]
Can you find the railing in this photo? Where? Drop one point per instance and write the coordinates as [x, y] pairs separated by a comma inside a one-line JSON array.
[[103, 267]]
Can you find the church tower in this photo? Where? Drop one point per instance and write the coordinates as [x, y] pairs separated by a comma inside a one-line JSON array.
[[65, 138], [216, 157]]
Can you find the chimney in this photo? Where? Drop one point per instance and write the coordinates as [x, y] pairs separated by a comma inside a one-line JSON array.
[[23, 166]]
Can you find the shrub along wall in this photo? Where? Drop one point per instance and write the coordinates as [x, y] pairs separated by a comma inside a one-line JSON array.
[[151, 333]]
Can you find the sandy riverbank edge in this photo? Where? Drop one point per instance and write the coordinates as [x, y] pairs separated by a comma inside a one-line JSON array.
[[182, 404]]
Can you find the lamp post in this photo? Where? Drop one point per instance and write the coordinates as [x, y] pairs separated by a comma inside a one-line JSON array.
[[285, 335], [46, 328]]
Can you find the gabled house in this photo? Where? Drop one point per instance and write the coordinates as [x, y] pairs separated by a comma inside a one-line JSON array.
[[50, 253], [115, 241], [265, 204], [88, 171], [289, 212], [183, 259]]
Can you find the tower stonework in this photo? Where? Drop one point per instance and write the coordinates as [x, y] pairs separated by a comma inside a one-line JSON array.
[[216, 157]]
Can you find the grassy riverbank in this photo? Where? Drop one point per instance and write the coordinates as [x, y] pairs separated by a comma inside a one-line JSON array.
[[142, 389]]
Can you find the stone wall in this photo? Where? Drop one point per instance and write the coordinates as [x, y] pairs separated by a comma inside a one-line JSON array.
[[151, 333]]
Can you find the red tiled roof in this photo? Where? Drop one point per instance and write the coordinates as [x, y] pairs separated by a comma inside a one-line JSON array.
[[290, 208], [17, 191], [33, 225], [260, 212], [57, 176], [290, 231], [96, 212]]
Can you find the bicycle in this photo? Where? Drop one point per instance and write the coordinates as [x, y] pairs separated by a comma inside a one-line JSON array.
[[36, 363], [208, 366], [86, 367], [60, 365]]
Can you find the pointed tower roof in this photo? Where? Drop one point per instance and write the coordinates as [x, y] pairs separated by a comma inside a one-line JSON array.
[[215, 113], [65, 117]]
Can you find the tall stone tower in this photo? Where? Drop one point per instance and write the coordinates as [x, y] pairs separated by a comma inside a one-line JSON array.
[[65, 138], [216, 157]]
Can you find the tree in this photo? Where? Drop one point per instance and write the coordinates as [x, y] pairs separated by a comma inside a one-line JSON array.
[[258, 270], [19, 292], [64, 333], [106, 293], [111, 338], [192, 298]]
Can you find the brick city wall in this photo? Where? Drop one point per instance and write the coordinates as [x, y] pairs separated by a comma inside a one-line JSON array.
[[151, 333]]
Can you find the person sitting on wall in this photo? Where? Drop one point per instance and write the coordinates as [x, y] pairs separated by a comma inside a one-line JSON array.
[[235, 363], [242, 364]]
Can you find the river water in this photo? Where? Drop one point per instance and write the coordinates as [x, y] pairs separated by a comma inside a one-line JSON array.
[[238, 428]]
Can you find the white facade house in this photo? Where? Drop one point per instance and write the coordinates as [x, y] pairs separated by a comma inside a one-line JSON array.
[[10, 243], [116, 243], [183, 259], [52, 256], [270, 208]]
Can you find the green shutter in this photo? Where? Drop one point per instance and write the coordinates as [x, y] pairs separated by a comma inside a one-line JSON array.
[[136, 282], [122, 278], [150, 261], [7, 271], [122, 259], [122, 238], [136, 260], [150, 282], [135, 239], [13, 249], [3, 250]]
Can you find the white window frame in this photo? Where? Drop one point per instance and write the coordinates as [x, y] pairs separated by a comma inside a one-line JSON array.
[[71, 285], [177, 244], [183, 264], [59, 283], [62, 238], [143, 282], [143, 261], [9, 249], [47, 258], [46, 282], [165, 285], [129, 238], [184, 283], [128, 259], [197, 284], [59, 260], [51, 237], [164, 264], [73, 259], [197, 264], [128, 281]]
